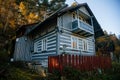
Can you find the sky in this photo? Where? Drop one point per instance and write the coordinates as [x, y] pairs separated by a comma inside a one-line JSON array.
[[107, 13]]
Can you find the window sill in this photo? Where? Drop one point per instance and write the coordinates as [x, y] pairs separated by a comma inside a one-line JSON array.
[[85, 51], [76, 50]]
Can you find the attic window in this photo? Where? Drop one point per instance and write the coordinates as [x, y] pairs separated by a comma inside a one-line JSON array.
[[80, 17], [74, 15], [88, 21]]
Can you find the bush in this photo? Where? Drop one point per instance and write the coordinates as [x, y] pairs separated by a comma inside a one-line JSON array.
[[14, 73], [20, 64], [68, 73], [116, 67], [71, 73], [4, 56], [55, 75]]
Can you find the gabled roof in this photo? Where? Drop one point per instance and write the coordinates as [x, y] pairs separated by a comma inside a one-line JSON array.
[[97, 28]]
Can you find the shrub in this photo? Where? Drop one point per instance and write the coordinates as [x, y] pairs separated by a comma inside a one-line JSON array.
[[4, 56], [71, 73], [55, 75], [20, 64], [116, 67]]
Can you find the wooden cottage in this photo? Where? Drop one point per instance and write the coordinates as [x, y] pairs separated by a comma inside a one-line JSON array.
[[70, 30]]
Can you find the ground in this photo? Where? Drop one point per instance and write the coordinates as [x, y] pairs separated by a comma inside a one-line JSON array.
[[19, 71]]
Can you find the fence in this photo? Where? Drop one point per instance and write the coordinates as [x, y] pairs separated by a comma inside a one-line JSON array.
[[82, 63]]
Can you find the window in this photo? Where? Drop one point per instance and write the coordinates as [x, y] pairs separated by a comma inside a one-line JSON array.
[[44, 44], [74, 15], [74, 43], [85, 45]]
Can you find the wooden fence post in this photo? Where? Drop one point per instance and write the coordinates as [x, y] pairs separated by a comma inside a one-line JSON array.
[[79, 62]]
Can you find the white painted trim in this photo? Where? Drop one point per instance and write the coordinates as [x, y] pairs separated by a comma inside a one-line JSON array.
[[44, 44], [43, 54], [72, 42], [85, 45]]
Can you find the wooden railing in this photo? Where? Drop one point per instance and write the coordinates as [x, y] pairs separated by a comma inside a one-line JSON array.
[[78, 24], [82, 63]]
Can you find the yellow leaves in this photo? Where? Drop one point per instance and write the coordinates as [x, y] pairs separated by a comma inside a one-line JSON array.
[[101, 39], [2, 9], [12, 23], [22, 8], [1, 25], [29, 15], [32, 17], [117, 49]]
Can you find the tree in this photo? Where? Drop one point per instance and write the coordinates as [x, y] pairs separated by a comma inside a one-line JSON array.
[[14, 13], [105, 44], [19, 12], [108, 43], [117, 53], [8, 20]]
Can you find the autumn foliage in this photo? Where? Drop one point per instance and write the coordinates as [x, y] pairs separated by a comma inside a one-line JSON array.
[[15, 13], [108, 43]]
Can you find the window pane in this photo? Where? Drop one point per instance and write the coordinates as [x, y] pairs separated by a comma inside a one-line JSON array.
[[85, 45], [74, 43], [44, 44]]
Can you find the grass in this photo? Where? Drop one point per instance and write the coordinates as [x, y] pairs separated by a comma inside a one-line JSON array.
[[12, 72], [16, 72], [19, 71], [107, 74]]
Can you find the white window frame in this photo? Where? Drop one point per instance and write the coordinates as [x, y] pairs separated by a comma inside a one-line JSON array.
[[80, 46], [85, 45], [44, 44], [76, 42]]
